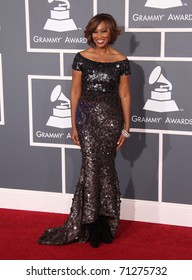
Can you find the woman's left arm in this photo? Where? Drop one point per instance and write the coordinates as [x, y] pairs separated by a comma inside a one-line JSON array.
[[125, 96]]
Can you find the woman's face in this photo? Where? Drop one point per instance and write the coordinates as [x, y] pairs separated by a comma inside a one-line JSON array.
[[101, 35]]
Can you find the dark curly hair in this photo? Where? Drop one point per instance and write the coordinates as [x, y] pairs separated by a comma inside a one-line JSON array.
[[95, 21]]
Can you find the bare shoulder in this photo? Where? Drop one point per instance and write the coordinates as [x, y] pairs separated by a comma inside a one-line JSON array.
[[122, 56], [87, 52], [118, 55]]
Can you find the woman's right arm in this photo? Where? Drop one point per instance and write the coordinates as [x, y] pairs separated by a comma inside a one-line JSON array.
[[74, 99]]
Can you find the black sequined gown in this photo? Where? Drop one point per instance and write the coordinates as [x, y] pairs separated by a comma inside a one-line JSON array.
[[99, 121]]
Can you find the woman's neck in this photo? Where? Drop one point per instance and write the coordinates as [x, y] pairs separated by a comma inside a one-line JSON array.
[[102, 51]]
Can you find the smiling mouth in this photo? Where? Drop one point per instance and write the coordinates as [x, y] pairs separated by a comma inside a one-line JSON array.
[[100, 41]]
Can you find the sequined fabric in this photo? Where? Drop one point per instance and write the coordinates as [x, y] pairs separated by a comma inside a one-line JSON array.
[[99, 121]]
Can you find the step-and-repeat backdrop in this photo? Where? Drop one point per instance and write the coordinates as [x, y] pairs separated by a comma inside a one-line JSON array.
[[39, 165]]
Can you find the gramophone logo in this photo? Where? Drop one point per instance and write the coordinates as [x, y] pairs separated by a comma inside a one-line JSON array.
[[163, 4], [161, 96], [61, 117], [60, 20]]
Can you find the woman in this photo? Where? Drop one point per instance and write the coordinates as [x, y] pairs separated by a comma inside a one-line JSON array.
[[100, 111]]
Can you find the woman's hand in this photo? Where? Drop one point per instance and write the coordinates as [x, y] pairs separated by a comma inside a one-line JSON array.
[[74, 137], [120, 142]]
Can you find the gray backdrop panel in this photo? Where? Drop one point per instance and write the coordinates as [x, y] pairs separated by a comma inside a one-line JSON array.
[[178, 44], [150, 14], [177, 175], [179, 119], [139, 153], [39, 13]]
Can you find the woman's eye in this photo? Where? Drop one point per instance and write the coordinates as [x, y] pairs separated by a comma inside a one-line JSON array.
[[102, 31]]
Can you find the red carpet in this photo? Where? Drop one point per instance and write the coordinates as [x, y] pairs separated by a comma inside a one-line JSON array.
[[134, 240]]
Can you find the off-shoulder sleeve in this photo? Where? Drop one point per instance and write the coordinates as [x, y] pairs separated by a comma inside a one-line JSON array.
[[125, 68], [77, 63]]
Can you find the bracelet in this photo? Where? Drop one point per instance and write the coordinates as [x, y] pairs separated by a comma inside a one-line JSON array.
[[125, 133]]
